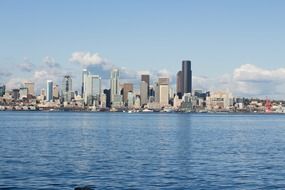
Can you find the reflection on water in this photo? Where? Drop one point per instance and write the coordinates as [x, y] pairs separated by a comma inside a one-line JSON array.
[[141, 151]]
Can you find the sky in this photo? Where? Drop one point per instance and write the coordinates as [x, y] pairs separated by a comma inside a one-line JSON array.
[[235, 46]]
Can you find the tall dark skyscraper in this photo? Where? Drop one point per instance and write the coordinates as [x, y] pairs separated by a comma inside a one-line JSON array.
[[187, 76], [145, 78]]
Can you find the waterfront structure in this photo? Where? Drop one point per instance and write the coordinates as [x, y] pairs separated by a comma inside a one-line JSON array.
[[186, 76], [55, 92], [163, 91], [179, 84], [177, 102], [219, 101], [66, 89], [127, 87], [117, 101], [137, 103], [187, 104], [114, 83], [144, 92], [49, 92], [23, 93], [31, 88], [2, 90]]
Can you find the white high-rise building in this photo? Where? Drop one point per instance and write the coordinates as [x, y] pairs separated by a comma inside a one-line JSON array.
[[163, 91], [49, 91], [84, 74], [114, 83], [92, 89]]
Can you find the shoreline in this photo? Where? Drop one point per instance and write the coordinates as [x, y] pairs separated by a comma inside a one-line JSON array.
[[154, 112]]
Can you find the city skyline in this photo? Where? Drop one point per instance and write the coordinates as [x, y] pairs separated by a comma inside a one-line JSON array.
[[235, 46]]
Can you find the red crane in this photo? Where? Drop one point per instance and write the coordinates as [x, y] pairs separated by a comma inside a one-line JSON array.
[[268, 106]]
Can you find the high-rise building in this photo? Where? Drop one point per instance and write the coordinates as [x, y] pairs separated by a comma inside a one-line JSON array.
[[114, 83], [92, 89], [145, 78], [31, 88], [156, 92], [49, 92], [127, 87], [163, 91], [187, 76], [131, 100], [43, 92], [15, 94], [55, 91], [144, 92], [84, 73], [23, 93], [2, 90], [103, 102], [66, 88], [108, 97], [179, 84]]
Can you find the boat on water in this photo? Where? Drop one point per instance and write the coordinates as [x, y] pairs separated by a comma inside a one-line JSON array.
[[147, 110], [168, 110]]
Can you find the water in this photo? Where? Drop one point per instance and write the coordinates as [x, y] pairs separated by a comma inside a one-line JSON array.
[[141, 151]]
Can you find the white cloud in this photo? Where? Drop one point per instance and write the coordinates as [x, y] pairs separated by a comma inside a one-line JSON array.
[[247, 80], [251, 80], [87, 58], [26, 66], [50, 62]]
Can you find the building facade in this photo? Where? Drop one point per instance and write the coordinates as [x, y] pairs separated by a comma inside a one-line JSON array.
[[66, 89], [49, 91], [186, 76], [114, 83]]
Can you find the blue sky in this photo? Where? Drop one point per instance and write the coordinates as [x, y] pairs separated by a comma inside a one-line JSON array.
[[218, 36]]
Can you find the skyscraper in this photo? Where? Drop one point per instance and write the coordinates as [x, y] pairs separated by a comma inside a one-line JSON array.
[[55, 91], [31, 88], [2, 90], [49, 97], [108, 97], [144, 93], [187, 76], [163, 91], [84, 73], [114, 83], [127, 87], [23, 92], [92, 89], [179, 84], [145, 78], [66, 88]]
